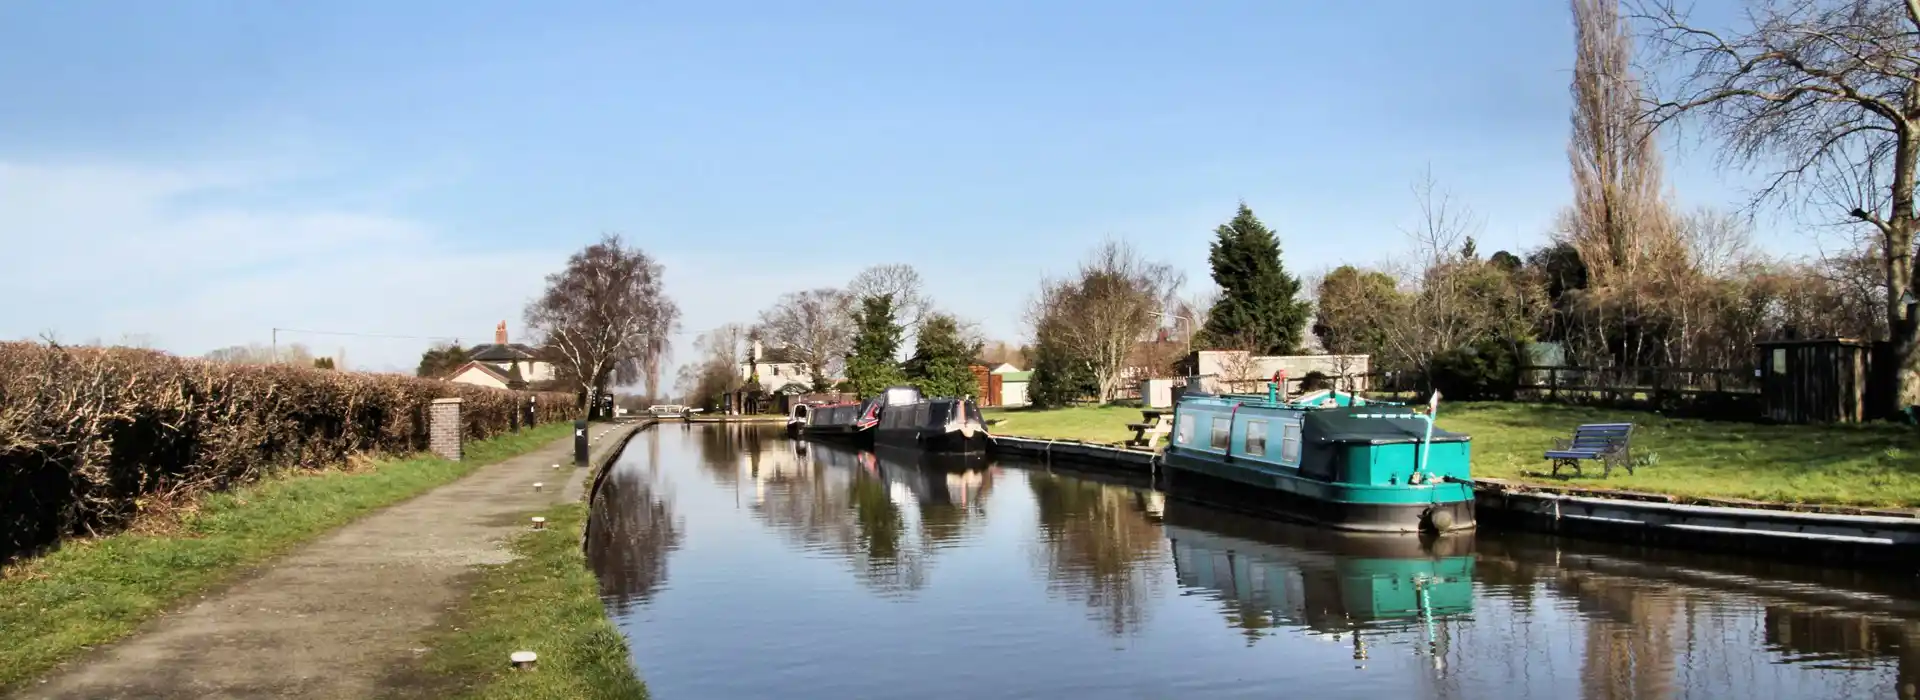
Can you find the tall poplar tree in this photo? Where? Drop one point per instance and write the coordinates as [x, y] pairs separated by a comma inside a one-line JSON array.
[[1258, 309]]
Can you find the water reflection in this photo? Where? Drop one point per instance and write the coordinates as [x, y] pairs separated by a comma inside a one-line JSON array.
[[1102, 546], [886, 514], [1271, 575], [1184, 600], [629, 545]]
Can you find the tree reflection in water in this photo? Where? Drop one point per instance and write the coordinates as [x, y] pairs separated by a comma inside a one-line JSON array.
[[1100, 546], [632, 531], [833, 498]]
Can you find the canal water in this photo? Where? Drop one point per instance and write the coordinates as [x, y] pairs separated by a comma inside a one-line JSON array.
[[740, 564]]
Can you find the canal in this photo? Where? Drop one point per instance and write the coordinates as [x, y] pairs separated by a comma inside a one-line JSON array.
[[740, 564]]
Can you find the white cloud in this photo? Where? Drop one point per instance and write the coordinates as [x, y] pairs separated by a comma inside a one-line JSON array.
[[181, 256]]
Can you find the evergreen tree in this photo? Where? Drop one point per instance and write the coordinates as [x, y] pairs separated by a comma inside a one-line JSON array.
[[1258, 309], [436, 363], [1059, 378], [941, 362], [871, 367]]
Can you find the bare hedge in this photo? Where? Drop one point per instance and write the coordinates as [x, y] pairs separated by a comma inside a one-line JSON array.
[[88, 434]]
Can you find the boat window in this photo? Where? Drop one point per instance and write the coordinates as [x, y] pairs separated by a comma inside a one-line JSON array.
[[937, 413], [1257, 438], [1184, 426], [1290, 443], [1222, 427]]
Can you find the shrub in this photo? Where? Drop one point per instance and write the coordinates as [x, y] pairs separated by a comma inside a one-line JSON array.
[[1485, 370], [89, 435]]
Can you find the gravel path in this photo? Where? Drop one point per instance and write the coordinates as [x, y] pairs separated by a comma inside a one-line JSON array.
[[336, 617]]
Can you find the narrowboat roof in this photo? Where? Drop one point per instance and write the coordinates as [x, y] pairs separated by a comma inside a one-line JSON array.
[[1372, 425]]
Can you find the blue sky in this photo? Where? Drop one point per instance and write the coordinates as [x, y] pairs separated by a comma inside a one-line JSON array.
[[200, 172]]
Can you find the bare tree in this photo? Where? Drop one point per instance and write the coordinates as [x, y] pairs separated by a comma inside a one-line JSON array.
[[1099, 315], [1825, 94], [602, 316], [910, 302], [812, 326]]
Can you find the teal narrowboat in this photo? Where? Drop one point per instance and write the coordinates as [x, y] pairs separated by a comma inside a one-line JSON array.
[[1326, 457]]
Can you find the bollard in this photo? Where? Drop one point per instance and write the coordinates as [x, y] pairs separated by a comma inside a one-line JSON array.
[[523, 660], [580, 443], [539, 523]]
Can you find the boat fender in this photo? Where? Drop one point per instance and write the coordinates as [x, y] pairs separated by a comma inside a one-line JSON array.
[[1437, 519]]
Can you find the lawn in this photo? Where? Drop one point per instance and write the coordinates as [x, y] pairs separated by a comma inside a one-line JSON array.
[[93, 591], [1857, 465]]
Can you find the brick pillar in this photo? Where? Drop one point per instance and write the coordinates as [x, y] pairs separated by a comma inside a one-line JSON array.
[[444, 429]]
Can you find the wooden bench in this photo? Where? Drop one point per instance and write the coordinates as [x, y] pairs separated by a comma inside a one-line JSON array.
[[1154, 424], [1610, 443]]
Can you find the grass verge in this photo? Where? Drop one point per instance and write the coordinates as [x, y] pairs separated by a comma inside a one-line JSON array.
[[545, 601], [94, 591], [1854, 465], [1098, 424]]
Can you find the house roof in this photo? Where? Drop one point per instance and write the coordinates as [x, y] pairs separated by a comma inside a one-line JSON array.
[[1016, 376], [499, 352], [488, 369]]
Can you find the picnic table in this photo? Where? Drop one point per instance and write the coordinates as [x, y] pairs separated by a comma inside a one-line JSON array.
[[1153, 424]]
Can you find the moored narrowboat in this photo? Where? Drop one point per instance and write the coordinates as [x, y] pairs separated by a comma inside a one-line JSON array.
[[852, 421], [1327, 457], [934, 425]]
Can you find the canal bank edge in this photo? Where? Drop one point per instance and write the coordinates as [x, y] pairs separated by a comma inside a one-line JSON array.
[[546, 599], [1845, 539]]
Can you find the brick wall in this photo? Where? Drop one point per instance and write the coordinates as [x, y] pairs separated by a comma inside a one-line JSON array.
[[444, 428]]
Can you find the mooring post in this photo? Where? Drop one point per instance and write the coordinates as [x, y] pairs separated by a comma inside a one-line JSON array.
[[580, 443]]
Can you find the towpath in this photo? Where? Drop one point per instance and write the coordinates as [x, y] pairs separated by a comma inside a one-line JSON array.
[[340, 616]]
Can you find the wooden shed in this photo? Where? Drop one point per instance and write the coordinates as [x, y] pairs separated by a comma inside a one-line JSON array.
[[1815, 381]]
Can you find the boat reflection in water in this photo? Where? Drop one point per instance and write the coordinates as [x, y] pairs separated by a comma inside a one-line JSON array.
[[1275, 575], [886, 514]]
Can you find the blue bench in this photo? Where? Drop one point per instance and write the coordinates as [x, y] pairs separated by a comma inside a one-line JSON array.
[[1609, 443]]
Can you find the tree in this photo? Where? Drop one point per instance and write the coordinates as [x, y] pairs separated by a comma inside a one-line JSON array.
[[1354, 308], [257, 354], [602, 316], [1824, 93], [871, 366], [323, 363], [901, 283], [1257, 301], [438, 362], [1097, 317], [812, 326], [942, 359], [717, 372]]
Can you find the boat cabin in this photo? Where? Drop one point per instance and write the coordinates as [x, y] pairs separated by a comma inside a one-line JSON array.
[[1325, 436]]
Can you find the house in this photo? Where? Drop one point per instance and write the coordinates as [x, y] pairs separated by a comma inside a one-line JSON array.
[[779, 370], [503, 364]]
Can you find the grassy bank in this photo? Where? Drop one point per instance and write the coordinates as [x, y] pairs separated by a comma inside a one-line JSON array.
[[1859, 465], [544, 601], [90, 592], [1101, 424]]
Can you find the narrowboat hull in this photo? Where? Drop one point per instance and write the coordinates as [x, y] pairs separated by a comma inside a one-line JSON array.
[[851, 434], [940, 441], [1277, 496]]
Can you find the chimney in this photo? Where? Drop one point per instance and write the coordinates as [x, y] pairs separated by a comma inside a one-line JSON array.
[[500, 333]]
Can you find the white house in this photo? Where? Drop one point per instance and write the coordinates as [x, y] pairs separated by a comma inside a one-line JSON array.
[[779, 373], [502, 364]]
